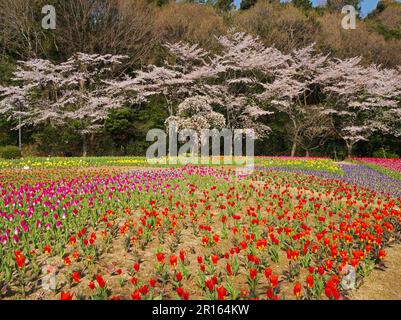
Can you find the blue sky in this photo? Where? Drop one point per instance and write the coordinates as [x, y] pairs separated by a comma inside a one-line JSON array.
[[367, 5]]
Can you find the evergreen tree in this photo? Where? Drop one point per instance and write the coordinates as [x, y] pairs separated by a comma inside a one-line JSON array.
[[224, 5], [337, 5], [246, 4], [303, 4]]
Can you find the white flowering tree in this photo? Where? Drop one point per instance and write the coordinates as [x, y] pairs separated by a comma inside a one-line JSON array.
[[225, 80], [197, 114], [13, 103], [314, 130], [291, 92], [361, 100], [70, 93]]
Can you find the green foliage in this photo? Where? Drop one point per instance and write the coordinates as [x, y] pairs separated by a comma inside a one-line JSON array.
[[128, 126], [387, 33], [337, 5], [6, 70], [51, 141], [246, 4], [10, 152], [385, 153], [160, 2], [224, 5], [303, 4]]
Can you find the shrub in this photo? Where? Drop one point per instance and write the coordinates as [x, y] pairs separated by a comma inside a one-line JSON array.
[[10, 152], [384, 153], [30, 150]]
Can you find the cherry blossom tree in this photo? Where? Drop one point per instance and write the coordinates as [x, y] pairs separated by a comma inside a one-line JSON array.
[[196, 113], [361, 100], [13, 101], [69, 93], [292, 89], [227, 80], [315, 129], [237, 87]]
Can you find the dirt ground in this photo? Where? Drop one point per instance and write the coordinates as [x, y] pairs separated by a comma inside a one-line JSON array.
[[383, 284]]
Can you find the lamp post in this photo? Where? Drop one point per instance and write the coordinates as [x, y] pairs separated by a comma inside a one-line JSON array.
[[19, 134]]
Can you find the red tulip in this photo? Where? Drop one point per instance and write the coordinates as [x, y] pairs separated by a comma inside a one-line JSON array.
[[160, 257], [47, 249], [381, 254], [76, 277], [75, 255], [210, 284], [216, 238], [67, 261], [328, 264], [152, 282], [214, 258], [309, 281], [221, 293], [73, 240], [136, 266], [100, 281], [261, 244], [178, 276], [173, 261], [297, 290], [20, 259], [320, 270], [180, 291], [91, 285], [182, 255], [273, 280], [253, 273], [229, 270], [136, 295], [331, 290], [268, 273], [66, 296], [143, 289]]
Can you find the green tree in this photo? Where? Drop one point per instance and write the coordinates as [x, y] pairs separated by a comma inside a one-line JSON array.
[[337, 5], [224, 5], [246, 4], [303, 4]]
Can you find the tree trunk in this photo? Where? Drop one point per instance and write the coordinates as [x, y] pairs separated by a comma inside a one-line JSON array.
[[19, 134], [349, 149], [294, 148], [307, 153], [295, 140], [84, 145]]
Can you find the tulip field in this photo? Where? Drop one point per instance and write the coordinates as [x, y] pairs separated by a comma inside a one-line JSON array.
[[119, 228]]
